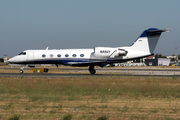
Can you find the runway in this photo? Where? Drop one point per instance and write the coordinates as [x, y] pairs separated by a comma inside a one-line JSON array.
[[100, 72]]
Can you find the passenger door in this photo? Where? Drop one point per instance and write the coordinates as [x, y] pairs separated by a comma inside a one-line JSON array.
[[30, 56]]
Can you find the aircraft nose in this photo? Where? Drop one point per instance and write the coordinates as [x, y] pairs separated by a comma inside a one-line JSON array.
[[11, 60]]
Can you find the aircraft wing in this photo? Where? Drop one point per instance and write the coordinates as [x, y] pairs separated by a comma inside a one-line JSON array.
[[99, 63]]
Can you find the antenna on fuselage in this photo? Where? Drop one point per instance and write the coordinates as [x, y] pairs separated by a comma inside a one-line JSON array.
[[47, 48]]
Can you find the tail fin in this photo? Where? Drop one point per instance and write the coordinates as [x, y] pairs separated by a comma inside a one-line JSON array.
[[147, 40]]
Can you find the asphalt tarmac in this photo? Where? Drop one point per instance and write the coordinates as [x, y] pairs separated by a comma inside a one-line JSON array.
[[100, 72]]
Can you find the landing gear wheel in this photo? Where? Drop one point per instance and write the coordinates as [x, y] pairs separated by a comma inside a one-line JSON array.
[[93, 71], [21, 71]]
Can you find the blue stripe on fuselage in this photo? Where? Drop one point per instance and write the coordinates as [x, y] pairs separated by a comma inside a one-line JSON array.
[[58, 61]]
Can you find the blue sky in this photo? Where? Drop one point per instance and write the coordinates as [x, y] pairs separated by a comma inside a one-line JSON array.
[[58, 24]]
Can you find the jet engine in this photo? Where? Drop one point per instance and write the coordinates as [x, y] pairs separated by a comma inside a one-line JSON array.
[[105, 52], [121, 52]]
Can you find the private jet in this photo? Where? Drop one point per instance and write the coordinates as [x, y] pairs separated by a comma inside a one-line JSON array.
[[99, 56]]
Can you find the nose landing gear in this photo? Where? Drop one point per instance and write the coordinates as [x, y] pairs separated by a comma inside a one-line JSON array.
[[21, 70]]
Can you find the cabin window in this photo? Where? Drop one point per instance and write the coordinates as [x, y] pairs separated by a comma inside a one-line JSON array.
[[74, 55], [58, 55], [43, 55], [51, 55], [66, 55], [82, 55]]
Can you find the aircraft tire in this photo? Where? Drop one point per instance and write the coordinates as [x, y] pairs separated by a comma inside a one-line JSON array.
[[21, 71], [92, 71]]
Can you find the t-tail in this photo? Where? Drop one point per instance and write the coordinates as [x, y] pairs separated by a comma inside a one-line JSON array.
[[147, 41]]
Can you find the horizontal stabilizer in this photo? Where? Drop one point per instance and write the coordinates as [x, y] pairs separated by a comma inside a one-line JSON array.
[[153, 32], [163, 30]]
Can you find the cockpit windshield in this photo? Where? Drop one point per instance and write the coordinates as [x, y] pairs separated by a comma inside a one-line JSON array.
[[22, 53]]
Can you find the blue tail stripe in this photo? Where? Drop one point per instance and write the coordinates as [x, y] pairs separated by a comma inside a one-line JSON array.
[[146, 32]]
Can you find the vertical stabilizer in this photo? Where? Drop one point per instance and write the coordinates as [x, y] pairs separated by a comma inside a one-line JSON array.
[[147, 41]]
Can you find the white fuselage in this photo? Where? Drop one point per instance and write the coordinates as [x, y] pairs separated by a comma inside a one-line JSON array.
[[78, 57]]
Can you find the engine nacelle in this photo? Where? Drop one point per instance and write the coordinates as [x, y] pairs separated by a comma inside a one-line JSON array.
[[105, 52], [121, 52]]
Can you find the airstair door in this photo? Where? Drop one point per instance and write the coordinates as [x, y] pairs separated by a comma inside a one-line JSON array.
[[30, 56]]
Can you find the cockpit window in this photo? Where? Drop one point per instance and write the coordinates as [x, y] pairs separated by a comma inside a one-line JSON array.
[[22, 53]]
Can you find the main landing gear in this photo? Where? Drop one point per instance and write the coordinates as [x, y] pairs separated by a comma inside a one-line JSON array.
[[92, 70]]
